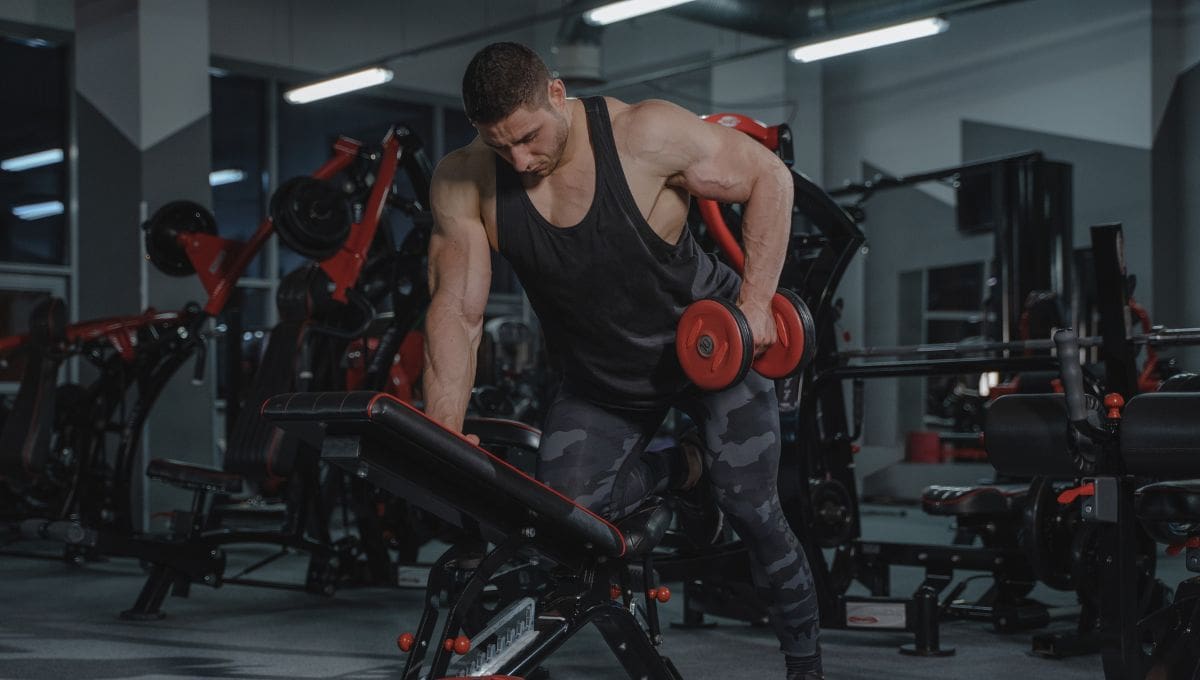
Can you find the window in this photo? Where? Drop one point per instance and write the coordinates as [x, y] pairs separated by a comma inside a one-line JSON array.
[[33, 141], [239, 173], [954, 313]]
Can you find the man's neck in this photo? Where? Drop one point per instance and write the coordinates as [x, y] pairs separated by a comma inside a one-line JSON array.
[[577, 136]]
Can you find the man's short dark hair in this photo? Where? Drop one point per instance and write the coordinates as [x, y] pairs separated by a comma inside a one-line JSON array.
[[501, 78]]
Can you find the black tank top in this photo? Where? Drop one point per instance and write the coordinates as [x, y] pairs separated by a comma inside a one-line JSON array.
[[608, 291]]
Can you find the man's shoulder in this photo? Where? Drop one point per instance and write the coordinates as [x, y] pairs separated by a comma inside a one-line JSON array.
[[648, 123], [646, 111], [472, 163]]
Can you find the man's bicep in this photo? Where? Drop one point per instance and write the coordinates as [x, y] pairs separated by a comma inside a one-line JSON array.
[[460, 265]]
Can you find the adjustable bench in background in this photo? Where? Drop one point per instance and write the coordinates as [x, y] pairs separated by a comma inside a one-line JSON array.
[[596, 563]]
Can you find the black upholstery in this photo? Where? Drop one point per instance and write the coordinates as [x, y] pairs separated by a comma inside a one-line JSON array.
[[257, 449], [396, 447], [503, 432], [25, 436], [1177, 501], [1026, 436], [985, 500], [194, 477], [1169, 511], [1160, 435], [1181, 382]]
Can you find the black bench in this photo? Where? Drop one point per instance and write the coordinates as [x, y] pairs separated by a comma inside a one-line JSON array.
[[259, 458], [598, 564], [983, 501], [1160, 438]]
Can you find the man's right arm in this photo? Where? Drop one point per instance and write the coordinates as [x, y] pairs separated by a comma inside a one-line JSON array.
[[460, 274]]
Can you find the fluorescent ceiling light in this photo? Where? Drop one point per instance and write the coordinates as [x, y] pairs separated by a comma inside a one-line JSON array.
[[36, 211], [32, 160], [332, 87], [864, 41], [626, 9], [228, 176]]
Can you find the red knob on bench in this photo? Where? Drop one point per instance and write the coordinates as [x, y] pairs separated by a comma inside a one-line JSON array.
[[652, 593], [1114, 403], [405, 642], [462, 644], [448, 645], [663, 595]]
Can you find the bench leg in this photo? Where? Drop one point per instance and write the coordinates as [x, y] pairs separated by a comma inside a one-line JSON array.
[[149, 601], [633, 649]]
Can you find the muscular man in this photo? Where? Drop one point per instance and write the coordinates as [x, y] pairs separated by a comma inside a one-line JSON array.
[[587, 199]]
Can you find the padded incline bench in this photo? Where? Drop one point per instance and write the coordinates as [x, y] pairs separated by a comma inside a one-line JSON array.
[[394, 446]]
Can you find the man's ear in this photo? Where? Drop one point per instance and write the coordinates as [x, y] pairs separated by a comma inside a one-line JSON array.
[[557, 92]]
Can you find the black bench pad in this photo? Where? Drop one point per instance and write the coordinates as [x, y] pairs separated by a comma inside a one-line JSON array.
[[986, 500], [194, 477], [395, 446], [1169, 502], [1026, 435], [1160, 435], [1169, 511]]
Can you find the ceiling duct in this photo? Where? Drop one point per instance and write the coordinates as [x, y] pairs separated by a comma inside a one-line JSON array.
[[576, 51], [796, 20]]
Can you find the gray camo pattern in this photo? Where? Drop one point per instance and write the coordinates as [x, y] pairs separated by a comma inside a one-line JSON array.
[[740, 430]]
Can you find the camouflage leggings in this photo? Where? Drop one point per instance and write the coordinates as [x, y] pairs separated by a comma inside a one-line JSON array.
[[597, 456]]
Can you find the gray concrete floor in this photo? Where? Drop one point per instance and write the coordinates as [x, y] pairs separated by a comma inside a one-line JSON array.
[[60, 621]]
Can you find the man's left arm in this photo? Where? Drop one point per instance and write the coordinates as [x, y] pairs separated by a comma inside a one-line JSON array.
[[719, 163]]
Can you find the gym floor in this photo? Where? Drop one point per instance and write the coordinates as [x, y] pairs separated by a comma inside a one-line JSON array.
[[60, 622]]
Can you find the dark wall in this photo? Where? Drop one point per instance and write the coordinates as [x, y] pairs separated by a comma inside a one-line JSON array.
[[1176, 177]]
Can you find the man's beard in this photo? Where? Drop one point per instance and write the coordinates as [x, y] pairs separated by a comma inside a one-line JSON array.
[[560, 143]]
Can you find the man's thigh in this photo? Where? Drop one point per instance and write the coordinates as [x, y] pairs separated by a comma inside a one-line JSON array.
[[586, 449], [740, 430]]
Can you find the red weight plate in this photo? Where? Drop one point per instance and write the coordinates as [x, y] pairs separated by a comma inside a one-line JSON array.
[[713, 343], [783, 358], [810, 329]]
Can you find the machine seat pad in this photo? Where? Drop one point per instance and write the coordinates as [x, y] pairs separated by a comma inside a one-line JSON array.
[[1160, 435], [1177, 501], [194, 477], [984, 500], [397, 447]]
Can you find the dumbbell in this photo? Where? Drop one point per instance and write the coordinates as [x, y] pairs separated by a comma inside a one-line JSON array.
[[716, 348]]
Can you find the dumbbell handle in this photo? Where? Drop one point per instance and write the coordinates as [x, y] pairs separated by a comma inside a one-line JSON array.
[[1067, 344]]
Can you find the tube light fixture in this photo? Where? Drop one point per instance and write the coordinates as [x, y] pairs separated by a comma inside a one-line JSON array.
[[864, 41], [626, 9], [36, 211], [331, 87], [228, 176], [32, 160]]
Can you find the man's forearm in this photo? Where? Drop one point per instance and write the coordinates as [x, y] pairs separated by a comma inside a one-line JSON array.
[[766, 230], [449, 366]]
